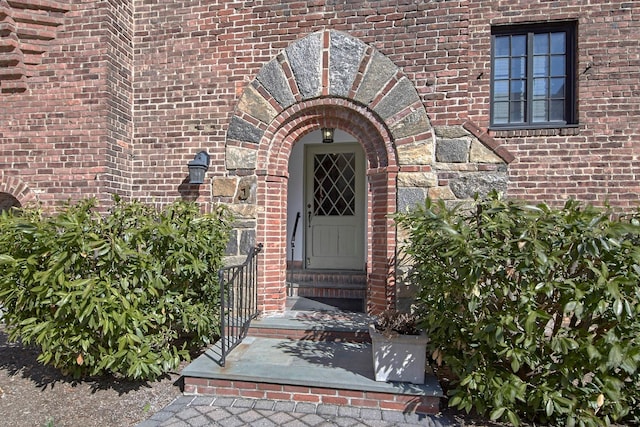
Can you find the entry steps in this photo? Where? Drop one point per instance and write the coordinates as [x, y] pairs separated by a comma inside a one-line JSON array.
[[321, 357], [346, 289]]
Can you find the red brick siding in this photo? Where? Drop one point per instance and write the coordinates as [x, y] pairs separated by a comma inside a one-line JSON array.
[[56, 136], [194, 63], [69, 134], [118, 152], [354, 398], [598, 161], [129, 91]]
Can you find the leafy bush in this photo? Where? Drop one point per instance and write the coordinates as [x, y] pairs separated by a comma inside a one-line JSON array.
[[535, 310], [127, 294]]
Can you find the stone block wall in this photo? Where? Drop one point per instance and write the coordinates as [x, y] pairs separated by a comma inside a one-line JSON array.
[[462, 167]]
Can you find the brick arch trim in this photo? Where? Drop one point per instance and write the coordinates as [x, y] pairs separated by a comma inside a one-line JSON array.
[[272, 163], [308, 116], [15, 187]]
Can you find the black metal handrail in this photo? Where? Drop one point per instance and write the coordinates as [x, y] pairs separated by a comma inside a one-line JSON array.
[[293, 235], [238, 301]]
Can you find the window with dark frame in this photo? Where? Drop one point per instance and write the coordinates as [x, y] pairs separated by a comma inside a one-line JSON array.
[[533, 76]]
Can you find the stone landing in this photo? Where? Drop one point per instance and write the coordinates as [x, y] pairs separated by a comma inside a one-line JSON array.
[[321, 364]]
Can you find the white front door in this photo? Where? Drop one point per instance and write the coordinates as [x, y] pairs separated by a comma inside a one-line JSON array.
[[335, 208]]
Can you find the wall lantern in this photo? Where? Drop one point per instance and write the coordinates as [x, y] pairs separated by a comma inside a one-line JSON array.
[[197, 167], [327, 135]]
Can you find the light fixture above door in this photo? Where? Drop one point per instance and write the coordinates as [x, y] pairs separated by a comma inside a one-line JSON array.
[[327, 135]]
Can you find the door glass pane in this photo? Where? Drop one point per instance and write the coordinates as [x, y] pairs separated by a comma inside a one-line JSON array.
[[334, 184]]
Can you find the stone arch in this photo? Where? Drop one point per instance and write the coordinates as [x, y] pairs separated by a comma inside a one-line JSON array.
[[328, 64], [14, 192], [330, 79]]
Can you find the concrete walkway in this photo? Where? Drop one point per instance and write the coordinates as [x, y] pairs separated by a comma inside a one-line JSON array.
[[196, 411]]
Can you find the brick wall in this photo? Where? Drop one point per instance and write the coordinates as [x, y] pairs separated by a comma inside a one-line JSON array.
[[194, 59], [57, 132], [112, 96], [118, 28], [75, 109], [596, 162]]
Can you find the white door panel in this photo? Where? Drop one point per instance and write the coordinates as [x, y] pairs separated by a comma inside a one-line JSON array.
[[334, 194]]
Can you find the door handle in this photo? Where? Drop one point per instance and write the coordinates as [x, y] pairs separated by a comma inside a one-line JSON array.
[[309, 216]]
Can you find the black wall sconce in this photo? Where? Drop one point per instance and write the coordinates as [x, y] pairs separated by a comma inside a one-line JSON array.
[[197, 168], [327, 135]]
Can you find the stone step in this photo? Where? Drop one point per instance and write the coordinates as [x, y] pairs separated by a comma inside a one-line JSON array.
[[334, 373], [327, 289], [313, 354], [329, 286], [333, 326]]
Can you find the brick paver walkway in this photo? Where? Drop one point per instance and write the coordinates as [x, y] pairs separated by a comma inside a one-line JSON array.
[[195, 411]]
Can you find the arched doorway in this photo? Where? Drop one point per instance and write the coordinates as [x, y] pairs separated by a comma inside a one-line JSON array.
[[14, 192], [327, 217], [7, 201], [355, 89], [380, 201]]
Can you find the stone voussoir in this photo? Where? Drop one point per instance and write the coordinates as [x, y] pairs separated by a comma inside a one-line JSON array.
[[345, 55]]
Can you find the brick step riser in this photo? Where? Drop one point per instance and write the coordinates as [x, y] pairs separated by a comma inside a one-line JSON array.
[[330, 292], [317, 395], [318, 278]]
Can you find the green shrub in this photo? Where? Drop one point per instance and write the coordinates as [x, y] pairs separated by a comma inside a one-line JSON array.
[[535, 310], [127, 294]]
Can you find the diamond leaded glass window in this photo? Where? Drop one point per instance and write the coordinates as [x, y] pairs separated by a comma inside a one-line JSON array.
[[334, 184]]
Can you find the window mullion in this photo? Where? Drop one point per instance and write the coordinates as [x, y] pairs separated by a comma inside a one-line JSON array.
[[529, 90]]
